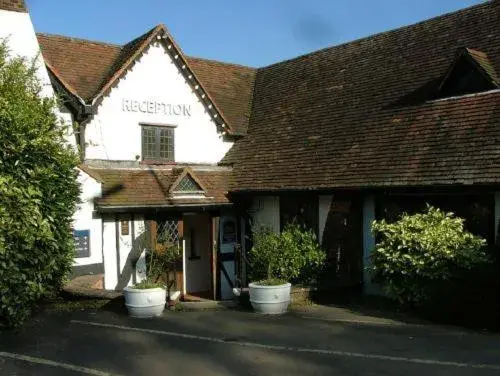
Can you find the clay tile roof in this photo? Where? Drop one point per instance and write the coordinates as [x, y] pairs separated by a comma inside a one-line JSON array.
[[87, 68], [13, 5], [484, 62], [149, 187], [360, 114], [83, 64], [230, 85]]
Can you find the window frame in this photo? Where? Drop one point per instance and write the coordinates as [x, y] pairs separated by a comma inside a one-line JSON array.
[[158, 129]]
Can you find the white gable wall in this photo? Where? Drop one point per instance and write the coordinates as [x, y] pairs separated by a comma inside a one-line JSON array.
[[84, 218], [17, 29], [114, 133]]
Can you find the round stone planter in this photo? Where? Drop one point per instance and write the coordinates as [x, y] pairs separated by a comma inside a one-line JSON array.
[[145, 303], [270, 300]]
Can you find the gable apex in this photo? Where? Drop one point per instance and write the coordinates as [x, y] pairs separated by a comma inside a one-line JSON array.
[[117, 61]]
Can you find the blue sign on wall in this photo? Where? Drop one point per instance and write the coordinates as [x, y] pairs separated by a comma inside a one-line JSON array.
[[82, 242]]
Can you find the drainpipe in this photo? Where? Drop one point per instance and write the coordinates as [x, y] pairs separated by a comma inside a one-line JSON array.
[[83, 116]]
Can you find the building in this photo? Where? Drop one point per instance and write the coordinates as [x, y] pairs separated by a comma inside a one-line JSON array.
[[177, 149]]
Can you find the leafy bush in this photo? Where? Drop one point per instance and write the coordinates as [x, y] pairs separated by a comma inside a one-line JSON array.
[[38, 192], [292, 256], [161, 264], [417, 255]]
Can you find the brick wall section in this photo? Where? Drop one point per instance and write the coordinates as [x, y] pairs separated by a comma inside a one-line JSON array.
[[13, 5]]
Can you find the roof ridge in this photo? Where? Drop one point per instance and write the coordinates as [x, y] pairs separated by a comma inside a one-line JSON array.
[[373, 36], [344, 44], [77, 39], [143, 35], [237, 65]]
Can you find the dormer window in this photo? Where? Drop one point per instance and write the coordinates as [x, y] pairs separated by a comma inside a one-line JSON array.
[[158, 143], [470, 73], [187, 185]]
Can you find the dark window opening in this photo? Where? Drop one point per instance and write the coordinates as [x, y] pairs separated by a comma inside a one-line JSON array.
[[82, 243], [301, 209], [193, 252], [465, 78], [158, 143]]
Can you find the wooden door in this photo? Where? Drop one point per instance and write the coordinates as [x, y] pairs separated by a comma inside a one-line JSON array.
[[343, 240]]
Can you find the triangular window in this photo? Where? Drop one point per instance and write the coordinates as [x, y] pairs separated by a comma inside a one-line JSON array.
[[188, 184], [470, 73]]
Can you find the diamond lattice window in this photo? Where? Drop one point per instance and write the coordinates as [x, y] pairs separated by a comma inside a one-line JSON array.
[[187, 184], [168, 232]]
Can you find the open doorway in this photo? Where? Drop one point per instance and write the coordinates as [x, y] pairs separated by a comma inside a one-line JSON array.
[[197, 255]]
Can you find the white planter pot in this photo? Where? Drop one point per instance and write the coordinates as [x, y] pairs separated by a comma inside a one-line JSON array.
[[270, 300], [145, 303]]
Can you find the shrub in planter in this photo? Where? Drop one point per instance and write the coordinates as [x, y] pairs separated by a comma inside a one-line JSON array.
[[38, 192], [294, 256], [162, 263], [416, 256], [148, 297]]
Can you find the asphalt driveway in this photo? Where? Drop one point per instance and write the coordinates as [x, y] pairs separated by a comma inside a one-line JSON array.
[[318, 342]]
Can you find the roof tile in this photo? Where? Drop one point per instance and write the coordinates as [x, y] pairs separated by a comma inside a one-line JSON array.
[[151, 186], [359, 115]]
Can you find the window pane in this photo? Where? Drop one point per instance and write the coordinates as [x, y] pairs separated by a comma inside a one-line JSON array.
[[158, 143], [166, 143], [149, 143], [187, 184]]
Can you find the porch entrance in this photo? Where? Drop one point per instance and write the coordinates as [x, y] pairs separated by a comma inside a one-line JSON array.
[[197, 256], [205, 269]]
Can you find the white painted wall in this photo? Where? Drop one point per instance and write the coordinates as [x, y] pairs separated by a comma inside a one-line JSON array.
[[121, 252], [115, 134], [21, 40], [84, 219], [17, 29], [265, 211], [197, 270], [324, 204], [109, 252]]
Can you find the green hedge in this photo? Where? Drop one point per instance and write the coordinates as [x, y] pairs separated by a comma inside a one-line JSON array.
[[38, 192]]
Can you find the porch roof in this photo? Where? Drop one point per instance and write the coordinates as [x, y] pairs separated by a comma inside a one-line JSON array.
[[150, 187]]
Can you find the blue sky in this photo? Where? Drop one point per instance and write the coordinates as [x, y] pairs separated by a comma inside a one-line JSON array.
[[249, 32]]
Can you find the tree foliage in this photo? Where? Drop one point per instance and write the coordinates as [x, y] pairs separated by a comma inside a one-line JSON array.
[[38, 192], [417, 254], [292, 256]]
